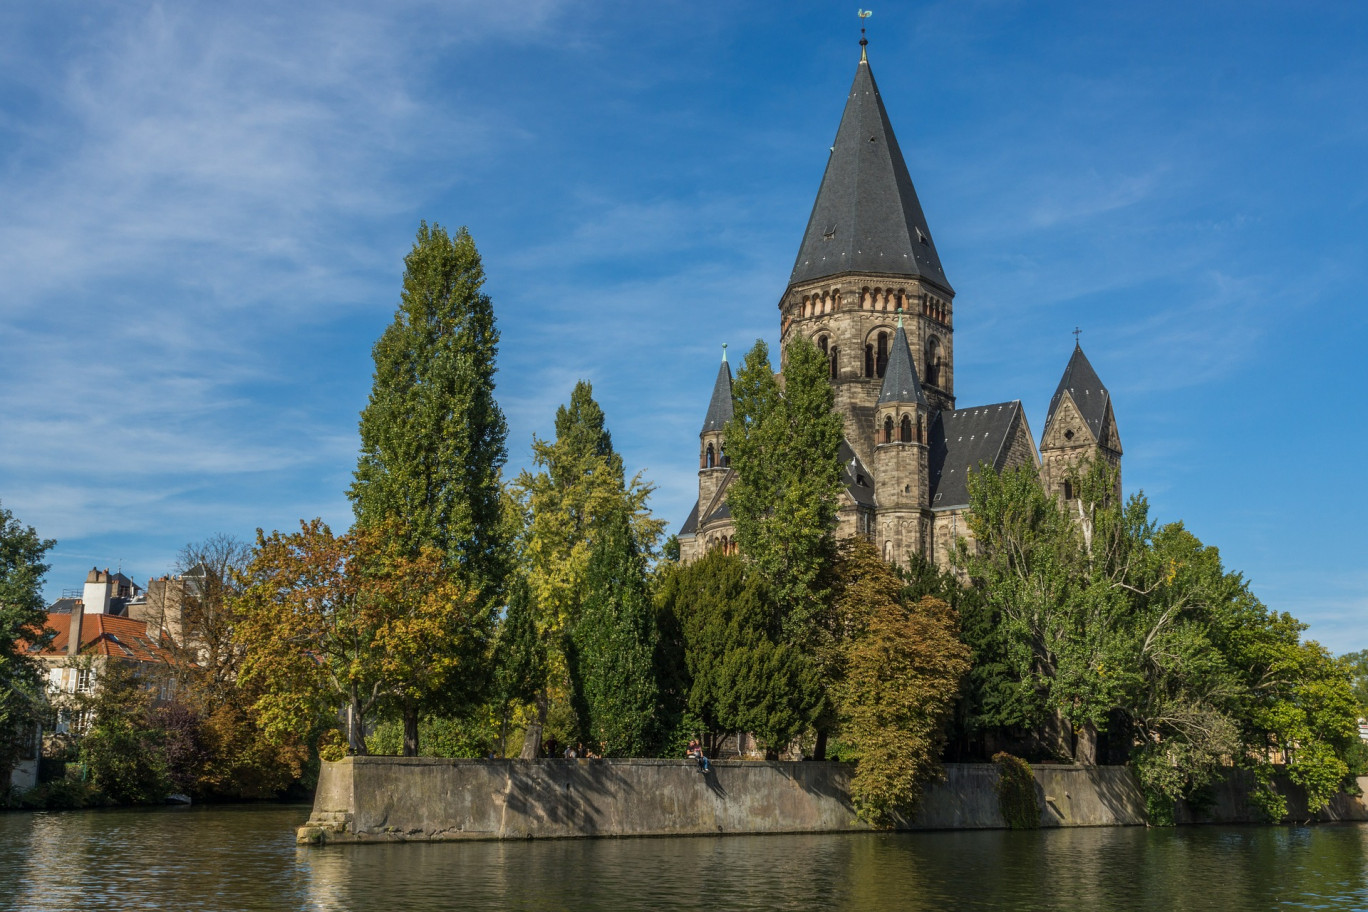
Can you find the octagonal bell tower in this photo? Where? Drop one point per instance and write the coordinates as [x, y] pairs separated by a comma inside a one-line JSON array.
[[868, 253]]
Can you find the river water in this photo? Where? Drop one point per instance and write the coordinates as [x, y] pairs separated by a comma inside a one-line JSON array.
[[231, 858]]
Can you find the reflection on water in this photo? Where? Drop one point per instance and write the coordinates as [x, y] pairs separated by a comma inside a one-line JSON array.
[[245, 858]]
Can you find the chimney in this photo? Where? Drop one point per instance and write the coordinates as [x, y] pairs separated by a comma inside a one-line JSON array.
[[97, 591], [74, 629]]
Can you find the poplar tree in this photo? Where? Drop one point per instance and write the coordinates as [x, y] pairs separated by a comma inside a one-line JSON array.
[[785, 447], [579, 485], [611, 657], [432, 435]]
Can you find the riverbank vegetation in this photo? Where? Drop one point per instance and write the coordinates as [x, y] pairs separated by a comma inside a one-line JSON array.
[[466, 614]]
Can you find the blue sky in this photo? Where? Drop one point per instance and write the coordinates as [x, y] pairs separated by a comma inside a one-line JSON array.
[[204, 210]]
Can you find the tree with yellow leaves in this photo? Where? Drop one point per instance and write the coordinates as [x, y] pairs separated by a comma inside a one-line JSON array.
[[356, 620]]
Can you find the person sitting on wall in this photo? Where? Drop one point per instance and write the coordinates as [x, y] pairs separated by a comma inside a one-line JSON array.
[[695, 752], [570, 752]]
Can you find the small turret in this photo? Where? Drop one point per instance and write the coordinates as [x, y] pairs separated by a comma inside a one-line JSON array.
[[901, 418], [712, 457]]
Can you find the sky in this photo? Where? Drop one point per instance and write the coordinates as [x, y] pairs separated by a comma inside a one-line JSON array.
[[204, 210]]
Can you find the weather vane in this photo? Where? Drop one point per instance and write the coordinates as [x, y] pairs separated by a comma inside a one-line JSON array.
[[863, 14]]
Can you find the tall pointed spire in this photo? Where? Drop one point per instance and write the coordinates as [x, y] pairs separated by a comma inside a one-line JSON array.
[[720, 406], [867, 217], [900, 382]]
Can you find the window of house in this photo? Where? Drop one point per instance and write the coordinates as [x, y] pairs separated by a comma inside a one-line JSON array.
[[906, 429], [869, 361], [881, 356], [888, 429], [835, 367]]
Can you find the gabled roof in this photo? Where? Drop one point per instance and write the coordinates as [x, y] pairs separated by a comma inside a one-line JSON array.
[[1091, 397], [852, 473], [960, 441], [900, 383], [720, 406], [106, 635], [867, 217]]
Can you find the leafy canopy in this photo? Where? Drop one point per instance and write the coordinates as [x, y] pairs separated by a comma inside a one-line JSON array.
[[785, 447], [432, 435]]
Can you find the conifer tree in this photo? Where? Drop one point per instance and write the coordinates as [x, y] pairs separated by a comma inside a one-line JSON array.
[[519, 655], [785, 447], [612, 646], [741, 676], [432, 435]]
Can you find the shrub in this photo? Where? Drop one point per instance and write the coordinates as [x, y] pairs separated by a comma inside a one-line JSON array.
[[1016, 791]]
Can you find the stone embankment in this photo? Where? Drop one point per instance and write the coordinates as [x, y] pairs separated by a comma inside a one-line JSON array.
[[369, 799]]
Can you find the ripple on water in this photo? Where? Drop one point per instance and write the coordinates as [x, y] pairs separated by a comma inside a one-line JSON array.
[[244, 858]]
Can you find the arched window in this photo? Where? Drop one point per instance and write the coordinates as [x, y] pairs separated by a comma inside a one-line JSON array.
[[888, 430], [881, 364], [932, 361], [906, 430], [888, 551], [822, 343], [726, 460], [1068, 490], [921, 437], [869, 361], [835, 369], [711, 460]]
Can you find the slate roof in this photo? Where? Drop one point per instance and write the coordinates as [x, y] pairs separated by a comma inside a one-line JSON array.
[[723, 511], [720, 406], [960, 441], [854, 470], [900, 382], [867, 217], [1088, 392], [690, 526], [107, 635], [63, 606]]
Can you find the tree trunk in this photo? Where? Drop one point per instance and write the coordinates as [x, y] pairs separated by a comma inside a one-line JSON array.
[[531, 748], [356, 729], [1085, 748], [819, 749], [410, 728]]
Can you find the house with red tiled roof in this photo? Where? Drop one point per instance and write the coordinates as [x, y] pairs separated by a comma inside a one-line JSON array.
[[87, 635]]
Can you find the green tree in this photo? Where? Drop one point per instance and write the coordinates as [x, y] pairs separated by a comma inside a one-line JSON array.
[[578, 486], [901, 665], [785, 447], [123, 750], [612, 647], [355, 619], [22, 621], [432, 435], [740, 676], [519, 656]]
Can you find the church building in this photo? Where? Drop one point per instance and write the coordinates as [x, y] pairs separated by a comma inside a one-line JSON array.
[[869, 289]]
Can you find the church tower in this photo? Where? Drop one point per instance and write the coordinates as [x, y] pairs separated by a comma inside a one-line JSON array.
[[901, 490], [1079, 425], [868, 253]]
